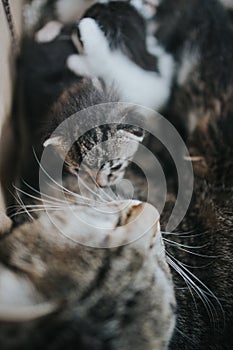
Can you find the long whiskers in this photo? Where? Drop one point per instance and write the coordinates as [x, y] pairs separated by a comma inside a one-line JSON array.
[[183, 246], [197, 286]]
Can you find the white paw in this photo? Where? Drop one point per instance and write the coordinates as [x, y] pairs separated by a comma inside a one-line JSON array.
[[49, 32], [166, 66], [153, 46], [78, 65], [92, 37]]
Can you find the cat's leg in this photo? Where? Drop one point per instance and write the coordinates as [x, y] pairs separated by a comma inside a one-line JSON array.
[[96, 47], [95, 59], [49, 32]]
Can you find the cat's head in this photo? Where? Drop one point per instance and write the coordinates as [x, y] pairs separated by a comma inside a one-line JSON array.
[[111, 298], [103, 152]]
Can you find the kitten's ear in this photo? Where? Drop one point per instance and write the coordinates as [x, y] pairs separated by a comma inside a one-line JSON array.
[[58, 144], [53, 141], [19, 301]]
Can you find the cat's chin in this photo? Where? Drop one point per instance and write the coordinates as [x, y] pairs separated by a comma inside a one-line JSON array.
[[112, 224]]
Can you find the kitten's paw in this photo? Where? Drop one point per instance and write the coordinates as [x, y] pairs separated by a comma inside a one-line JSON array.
[[93, 38], [166, 63], [49, 32], [153, 47], [78, 65], [166, 66]]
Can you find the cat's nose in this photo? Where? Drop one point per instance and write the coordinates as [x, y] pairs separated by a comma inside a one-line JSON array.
[[102, 181]]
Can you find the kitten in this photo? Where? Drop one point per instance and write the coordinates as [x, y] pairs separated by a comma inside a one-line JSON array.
[[51, 95], [105, 150], [57, 293], [119, 51]]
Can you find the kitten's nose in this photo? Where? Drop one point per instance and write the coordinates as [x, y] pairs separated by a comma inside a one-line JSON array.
[[101, 180]]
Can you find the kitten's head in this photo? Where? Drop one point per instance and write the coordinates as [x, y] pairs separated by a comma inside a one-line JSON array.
[[115, 298], [103, 151]]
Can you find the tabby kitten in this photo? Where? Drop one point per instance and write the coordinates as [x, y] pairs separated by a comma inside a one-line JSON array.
[[51, 95], [105, 150], [57, 293]]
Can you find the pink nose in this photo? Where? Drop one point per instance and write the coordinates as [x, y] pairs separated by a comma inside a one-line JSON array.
[[102, 180]]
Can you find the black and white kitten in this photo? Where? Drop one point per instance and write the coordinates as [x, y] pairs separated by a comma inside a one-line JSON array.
[[123, 54], [119, 51]]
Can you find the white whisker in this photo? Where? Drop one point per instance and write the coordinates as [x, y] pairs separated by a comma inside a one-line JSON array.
[[180, 247], [53, 199], [202, 293], [90, 190]]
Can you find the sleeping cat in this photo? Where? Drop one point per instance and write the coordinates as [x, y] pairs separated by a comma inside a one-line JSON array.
[[56, 293], [120, 52], [210, 227], [199, 36]]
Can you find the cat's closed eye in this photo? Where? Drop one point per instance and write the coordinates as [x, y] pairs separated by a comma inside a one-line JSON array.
[[116, 167]]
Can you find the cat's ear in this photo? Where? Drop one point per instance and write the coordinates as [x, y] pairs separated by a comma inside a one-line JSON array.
[[19, 300], [53, 141], [58, 144]]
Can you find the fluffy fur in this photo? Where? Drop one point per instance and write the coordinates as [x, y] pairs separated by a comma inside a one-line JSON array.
[[106, 298], [201, 46], [141, 71]]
